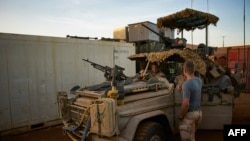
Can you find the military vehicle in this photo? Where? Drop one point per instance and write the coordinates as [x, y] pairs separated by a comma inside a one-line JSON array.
[[142, 109]]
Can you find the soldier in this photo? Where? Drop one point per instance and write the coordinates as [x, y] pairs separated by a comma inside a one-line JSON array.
[[190, 113], [155, 71], [139, 76]]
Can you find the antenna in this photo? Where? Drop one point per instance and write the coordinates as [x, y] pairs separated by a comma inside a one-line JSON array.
[[192, 30], [114, 69], [223, 40], [207, 33], [244, 35]]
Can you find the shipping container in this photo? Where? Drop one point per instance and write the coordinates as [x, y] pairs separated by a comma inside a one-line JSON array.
[[35, 68]]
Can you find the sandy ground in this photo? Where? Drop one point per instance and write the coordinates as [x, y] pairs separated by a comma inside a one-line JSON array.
[[241, 115]]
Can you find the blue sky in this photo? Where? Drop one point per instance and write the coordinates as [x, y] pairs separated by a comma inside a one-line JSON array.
[[98, 18]]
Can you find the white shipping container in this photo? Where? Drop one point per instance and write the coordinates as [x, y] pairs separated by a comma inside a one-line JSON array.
[[35, 68]]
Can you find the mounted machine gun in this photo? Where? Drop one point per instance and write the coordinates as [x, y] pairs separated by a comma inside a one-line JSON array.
[[169, 43], [108, 71]]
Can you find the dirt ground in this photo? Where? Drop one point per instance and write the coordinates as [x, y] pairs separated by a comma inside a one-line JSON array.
[[241, 115]]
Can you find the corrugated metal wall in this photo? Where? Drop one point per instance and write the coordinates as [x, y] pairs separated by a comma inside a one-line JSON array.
[[34, 68]]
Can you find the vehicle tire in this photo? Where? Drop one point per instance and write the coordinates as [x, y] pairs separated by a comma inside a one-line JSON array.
[[150, 131]]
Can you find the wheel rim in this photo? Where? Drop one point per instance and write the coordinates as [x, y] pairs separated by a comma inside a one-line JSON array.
[[155, 138]]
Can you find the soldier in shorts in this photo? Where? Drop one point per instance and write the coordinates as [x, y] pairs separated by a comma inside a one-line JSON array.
[[190, 113]]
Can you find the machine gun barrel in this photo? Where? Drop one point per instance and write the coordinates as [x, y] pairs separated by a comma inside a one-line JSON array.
[[97, 66], [77, 37], [152, 30], [108, 70], [165, 39], [169, 43]]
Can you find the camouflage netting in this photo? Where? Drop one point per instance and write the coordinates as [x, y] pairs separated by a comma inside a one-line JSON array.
[[188, 19], [187, 54]]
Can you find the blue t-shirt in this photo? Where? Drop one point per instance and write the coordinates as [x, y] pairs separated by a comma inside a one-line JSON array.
[[192, 89]]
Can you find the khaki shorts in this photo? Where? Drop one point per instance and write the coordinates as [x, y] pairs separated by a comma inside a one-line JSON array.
[[189, 125]]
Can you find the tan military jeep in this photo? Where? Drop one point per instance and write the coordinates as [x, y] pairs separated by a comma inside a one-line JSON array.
[[147, 109]]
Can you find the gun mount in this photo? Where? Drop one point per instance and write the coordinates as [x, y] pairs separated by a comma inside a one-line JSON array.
[[108, 71], [169, 43]]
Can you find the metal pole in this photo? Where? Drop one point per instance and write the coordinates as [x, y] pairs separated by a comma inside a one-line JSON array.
[[192, 30], [206, 41], [207, 33], [244, 64], [223, 41]]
